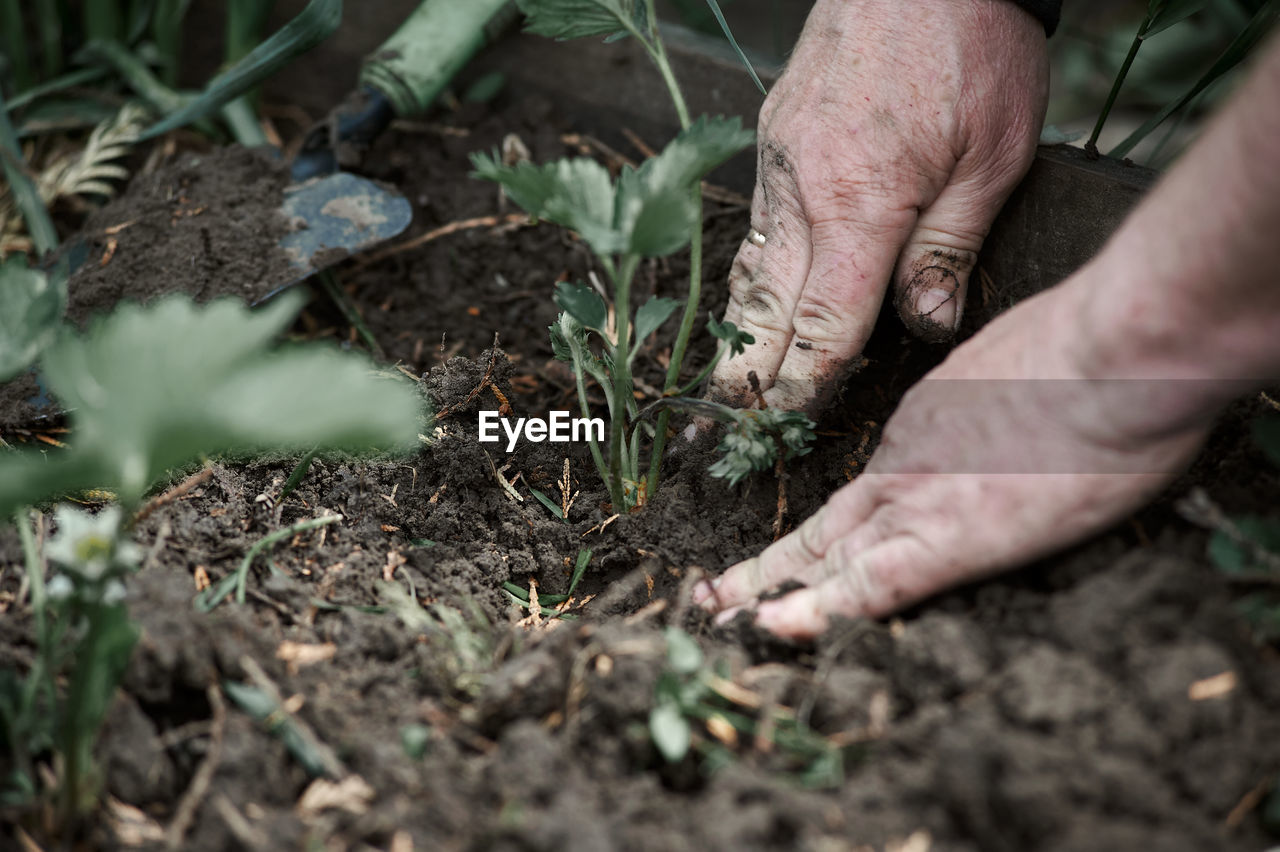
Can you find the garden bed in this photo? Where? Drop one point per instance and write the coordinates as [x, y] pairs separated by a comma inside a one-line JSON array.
[[1056, 708]]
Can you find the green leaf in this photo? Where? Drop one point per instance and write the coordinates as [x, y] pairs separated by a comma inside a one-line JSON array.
[[314, 24], [583, 303], [1235, 52], [23, 189], [1266, 433], [697, 150], [100, 663], [652, 314], [569, 19], [728, 332], [1165, 13], [580, 568], [1234, 557], [733, 42], [548, 502], [670, 731], [683, 654], [156, 387], [31, 307], [575, 193]]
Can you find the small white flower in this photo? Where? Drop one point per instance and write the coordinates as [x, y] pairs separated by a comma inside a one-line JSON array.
[[89, 544], [60, 588]]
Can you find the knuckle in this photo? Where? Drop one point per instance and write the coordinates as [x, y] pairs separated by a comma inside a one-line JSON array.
[[818, 320], [762, 304]]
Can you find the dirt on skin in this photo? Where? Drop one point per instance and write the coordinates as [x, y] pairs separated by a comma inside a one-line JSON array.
[[1047, 710]]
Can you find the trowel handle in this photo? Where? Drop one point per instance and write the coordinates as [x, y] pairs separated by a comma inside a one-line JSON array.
[[438, 39]]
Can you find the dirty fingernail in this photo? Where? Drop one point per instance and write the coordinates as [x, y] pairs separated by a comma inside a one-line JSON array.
[[725, 617], [704, 591], [939, 306]]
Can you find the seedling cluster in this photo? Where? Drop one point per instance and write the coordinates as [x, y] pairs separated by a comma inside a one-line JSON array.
[[650, 211]]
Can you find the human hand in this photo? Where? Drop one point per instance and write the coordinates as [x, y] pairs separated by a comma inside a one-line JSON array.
[[1011, 449], [885, 152]]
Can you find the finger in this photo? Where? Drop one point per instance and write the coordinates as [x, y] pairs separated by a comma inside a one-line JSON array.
[[792, 556], [856, 240], [932, 277], [767, 280], [874, 583]]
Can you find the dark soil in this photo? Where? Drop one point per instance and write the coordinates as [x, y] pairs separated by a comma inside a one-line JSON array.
[[1047, 710], [207, 225]]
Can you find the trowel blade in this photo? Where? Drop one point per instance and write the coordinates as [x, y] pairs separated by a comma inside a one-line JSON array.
[[334, 217]]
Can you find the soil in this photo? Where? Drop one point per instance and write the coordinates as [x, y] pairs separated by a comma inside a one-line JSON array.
[[1046, 710]]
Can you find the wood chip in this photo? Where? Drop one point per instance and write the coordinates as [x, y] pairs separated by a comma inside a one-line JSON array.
[[352, 794], [299, 655], [201, 578], [723, 730], [131, 826], [1212, 687]]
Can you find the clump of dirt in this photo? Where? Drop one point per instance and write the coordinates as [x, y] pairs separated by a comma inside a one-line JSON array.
[[1047, 710], [206, 224]]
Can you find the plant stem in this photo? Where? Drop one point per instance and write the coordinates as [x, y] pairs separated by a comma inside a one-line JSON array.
[[50, 22], [25, 195], [579, 371], [659, 54], [242, 121], [102, 20], [15, 37], [622, 385], [1119, 81]]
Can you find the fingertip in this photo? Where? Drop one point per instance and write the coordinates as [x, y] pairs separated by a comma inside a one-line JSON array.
[[704, 594], [798, 615]]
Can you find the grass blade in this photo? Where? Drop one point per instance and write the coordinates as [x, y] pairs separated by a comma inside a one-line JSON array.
[[58, 84], [49, 20], [15, 44], [313, 25], [733, 42], [102, 20], [166, 31], [43, 235], [1257, 28], [136, 74]]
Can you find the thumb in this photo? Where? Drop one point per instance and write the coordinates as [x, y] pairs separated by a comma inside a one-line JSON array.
[[932, 276]]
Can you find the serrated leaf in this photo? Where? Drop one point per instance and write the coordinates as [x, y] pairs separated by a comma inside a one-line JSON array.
[[1233, 557], [583, 303], [153, 388], [569, 19], [670, 731], [576, 193], [683, 654], [701, 147], [1266, 432], [737, 339], [652, 314], [658, 222], [31, 306]]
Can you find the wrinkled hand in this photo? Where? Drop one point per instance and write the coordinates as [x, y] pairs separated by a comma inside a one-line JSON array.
[[885, 152], [1010, 450]]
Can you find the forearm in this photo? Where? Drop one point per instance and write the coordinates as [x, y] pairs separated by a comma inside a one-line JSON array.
[[1190, 286]]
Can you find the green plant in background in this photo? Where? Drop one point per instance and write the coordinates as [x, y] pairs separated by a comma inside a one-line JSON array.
[[1247, 548], [651, 211], [83, 634], [150, 390], [1255, 19], [689, 693], [128, 50]]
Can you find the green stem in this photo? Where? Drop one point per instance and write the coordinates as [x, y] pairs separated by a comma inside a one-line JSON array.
[[579, 370], [622, 384], [102, 19], [166, 31], [702, 376], [1119, 82], [50, 23], [43, 234], [15, 44], [50, 87], [350, 312], [242, 572], [243, 123], [659, 55]]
